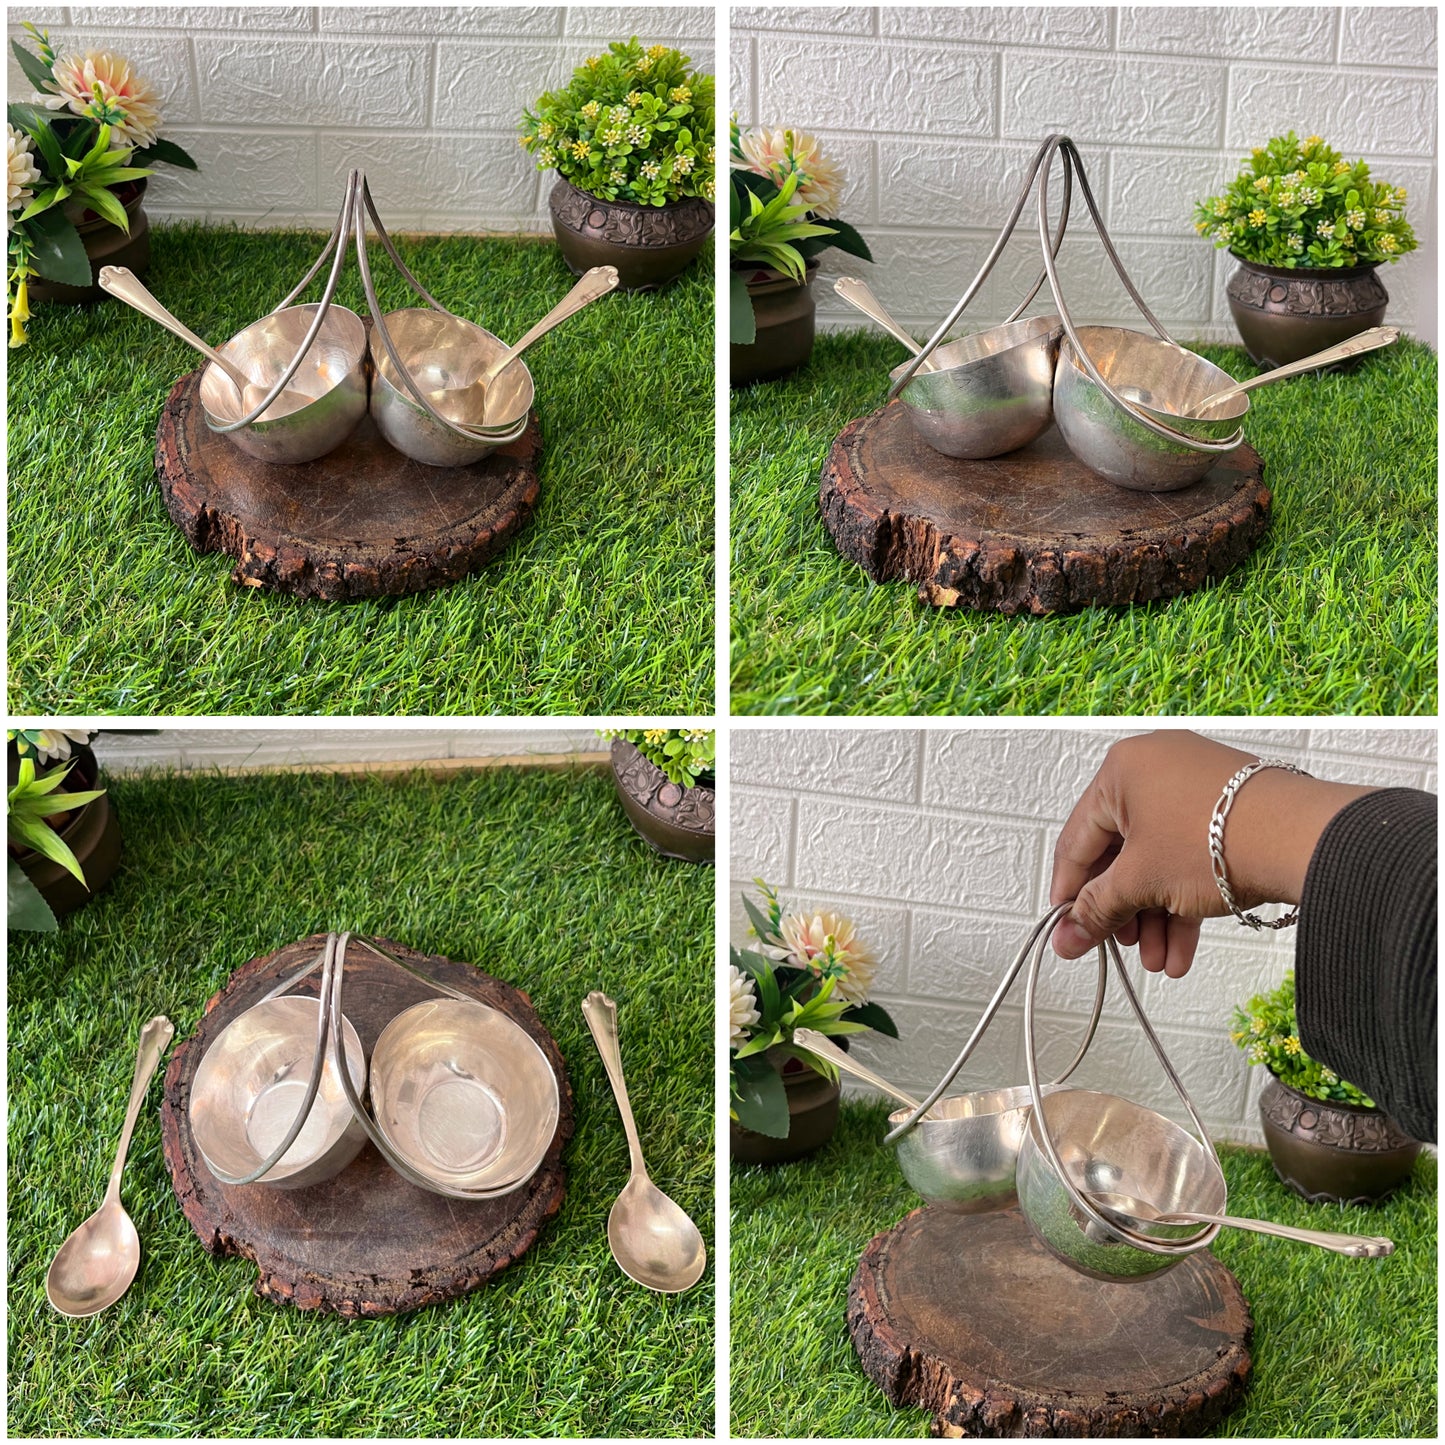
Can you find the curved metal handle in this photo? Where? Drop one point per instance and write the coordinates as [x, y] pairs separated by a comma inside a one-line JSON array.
[[1040, 930], [592, 286], [601, 1015], [125, 285], [155, 1038], [825, 1048], [1371, 340], [1038, 1120], [855, 291], [1354, 1246], [1072, 158]]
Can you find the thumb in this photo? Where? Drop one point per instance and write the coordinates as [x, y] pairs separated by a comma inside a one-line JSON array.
[[1103, 906]]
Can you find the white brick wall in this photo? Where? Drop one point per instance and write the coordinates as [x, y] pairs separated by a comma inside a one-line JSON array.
[[277, 103], [938, 842], [229, 747], [935, 112]]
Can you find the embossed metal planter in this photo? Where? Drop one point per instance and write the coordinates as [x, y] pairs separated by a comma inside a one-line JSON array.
[[105, 245], [1283, 315], [1339, 1153], [677, 821], [649, 245]]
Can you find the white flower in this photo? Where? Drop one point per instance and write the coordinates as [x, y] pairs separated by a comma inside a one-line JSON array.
[[21, 177], [823, 945], [780, 153], [742, 1006], [104, 87], [54, 743]]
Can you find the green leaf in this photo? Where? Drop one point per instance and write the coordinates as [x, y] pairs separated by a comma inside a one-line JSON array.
[[58, 253], [873, 1016], [33, 66], [760, 1100], [39, 835], [104, 203], [27, 906], [168, 152], [847, 239], [760, 920]]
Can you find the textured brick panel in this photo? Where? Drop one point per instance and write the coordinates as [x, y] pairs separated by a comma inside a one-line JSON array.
[[929, 1040], [919, 276], [1098, 98], [1268, 100], [104, 20], [823, 19], [465, 20], [340, 83], [1389, 35], [479, 182], [1368, 772], [1155, 193], [741, 61], [1419, 743], [1067, 27], [822, 83], [867, 849], [1298, 33], [877, 763], [619, 22], [270, 172], [1224, 975], [486, 87], [762, 838]]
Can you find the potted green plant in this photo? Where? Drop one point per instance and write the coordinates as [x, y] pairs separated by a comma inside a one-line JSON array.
[[1327, 1140], [783, 214], [631, 140], [803, 971], [63, 846], [79, 155], [667, 781], [1308, 229]]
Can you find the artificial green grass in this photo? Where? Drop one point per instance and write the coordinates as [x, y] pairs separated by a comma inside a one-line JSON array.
[[1342, 1348], [1334, 613], [602, 605], [533, 875]]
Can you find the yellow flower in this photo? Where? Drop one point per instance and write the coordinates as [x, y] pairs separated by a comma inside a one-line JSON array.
[[1262, 184], [644, 65], [655, 735], [1339, 168], [1401, 193], [679, 94], [656, 52], [1387, 242], [1292, 1045], [1311, 141], [591, 110], [1258, 218], [634, 97], [20, 313], [580, 148]]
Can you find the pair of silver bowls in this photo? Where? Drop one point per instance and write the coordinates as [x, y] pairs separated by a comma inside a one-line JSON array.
[[463, 1096], [998, 390], [979, 1152], [444, 355]]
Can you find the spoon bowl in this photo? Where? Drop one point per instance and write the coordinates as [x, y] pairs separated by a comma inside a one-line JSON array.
[[653, 1240], [97, 1263]]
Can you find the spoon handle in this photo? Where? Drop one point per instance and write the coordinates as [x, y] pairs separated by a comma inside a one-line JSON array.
[[592, 286], [601, 1015], [1356, 1246], [825, 1048], [1370, 340], [126, 286], [155, 1037], [857, 294]]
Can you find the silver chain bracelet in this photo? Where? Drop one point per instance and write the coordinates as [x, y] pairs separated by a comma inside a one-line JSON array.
[[1216, 842]]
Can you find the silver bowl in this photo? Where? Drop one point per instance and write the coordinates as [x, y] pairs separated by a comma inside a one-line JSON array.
[[962, 1155], [251, 1082], [989, 393], [332, 374], [1110, 1146], [464, 1096], [1166, 381], [445, 354]]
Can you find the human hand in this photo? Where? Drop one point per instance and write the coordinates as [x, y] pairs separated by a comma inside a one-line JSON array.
[[1134, 853]]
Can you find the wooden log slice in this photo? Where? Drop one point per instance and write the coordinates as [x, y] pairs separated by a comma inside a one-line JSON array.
[[1034, 530], [362, 521], [365, 1242], [972, 1318]]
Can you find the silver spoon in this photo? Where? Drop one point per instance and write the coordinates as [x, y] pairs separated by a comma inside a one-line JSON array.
[[857, 294], [825, 1048], [592, 286], [1356, 1246], [651, 1238], [1370, 340], [125, 286], [96, 1265]]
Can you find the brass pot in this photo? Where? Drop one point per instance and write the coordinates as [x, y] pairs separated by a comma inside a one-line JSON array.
[[785, 313], [649, 245], [679, 822], [105, 245], [1340, 1153], [1284, 315]]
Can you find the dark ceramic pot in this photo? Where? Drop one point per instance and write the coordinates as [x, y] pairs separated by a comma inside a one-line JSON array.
[[105, 245], [785, 313], [93, 835], [649, 245], [1335, 1153], [813, 1105], [679, 822], [1284, 315]]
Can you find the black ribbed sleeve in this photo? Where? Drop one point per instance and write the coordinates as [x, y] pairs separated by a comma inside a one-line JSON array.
[[1365, 963]]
